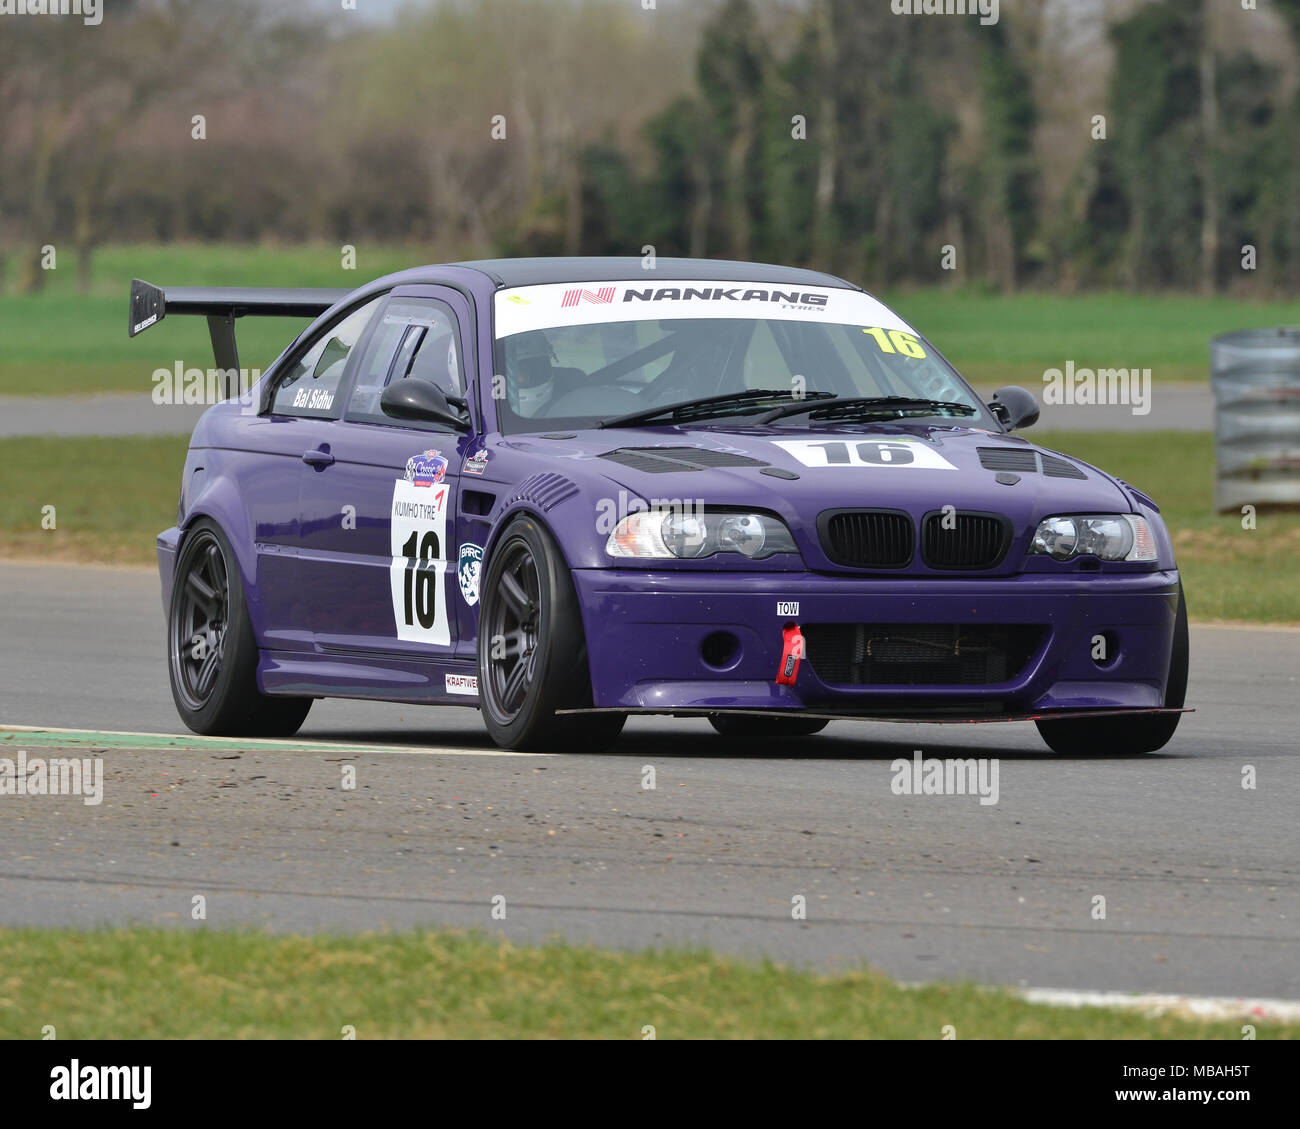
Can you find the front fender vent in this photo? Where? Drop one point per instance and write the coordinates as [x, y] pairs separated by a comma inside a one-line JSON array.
[[545, 490]]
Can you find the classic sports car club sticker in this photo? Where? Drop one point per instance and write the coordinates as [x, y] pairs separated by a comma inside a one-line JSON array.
[[468, 571], [418, 543], [880, 454], [426, 469]]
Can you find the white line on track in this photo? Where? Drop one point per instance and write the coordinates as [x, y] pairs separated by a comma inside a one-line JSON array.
[[1201, 1007], [287, 744], [1241, 626]]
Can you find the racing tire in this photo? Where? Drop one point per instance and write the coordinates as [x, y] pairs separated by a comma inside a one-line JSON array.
[[211, 652], [747, 725], [1126, 736], [532, 652]]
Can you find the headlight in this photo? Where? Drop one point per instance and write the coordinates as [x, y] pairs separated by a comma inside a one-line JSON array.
[[669, 534], [1111, 537]]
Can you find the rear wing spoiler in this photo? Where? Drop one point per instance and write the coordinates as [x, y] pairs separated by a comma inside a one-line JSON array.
[[221, 305]]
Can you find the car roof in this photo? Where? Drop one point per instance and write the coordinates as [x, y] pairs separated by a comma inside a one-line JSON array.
[[530, 272]]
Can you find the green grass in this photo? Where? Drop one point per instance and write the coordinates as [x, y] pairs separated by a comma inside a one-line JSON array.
[[1229, 573], [61, 342], [169, 984], [113, 496], [996, 340]]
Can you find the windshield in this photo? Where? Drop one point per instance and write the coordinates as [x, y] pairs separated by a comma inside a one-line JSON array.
[[571, 356]]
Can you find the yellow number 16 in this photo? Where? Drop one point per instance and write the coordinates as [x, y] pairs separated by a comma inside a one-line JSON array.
[[896, 341]]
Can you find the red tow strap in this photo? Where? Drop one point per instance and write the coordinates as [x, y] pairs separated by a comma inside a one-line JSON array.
[[790, 655]]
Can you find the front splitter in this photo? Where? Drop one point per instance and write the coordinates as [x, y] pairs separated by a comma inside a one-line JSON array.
[[897, 719]]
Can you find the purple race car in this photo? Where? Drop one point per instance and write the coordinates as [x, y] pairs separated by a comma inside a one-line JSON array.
[[567, 490]]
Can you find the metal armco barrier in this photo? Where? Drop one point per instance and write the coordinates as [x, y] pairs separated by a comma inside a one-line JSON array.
[[1255, 375]]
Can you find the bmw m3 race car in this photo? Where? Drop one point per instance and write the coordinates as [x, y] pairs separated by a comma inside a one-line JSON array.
[[564, 491]]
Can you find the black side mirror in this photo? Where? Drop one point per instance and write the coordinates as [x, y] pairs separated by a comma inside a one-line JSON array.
[[1015, 407], [420, 400]]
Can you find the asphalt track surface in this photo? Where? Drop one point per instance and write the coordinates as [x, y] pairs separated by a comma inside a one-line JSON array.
[[1201, 877], [1173, 407]]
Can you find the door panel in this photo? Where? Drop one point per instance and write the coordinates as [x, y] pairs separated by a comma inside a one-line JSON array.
[[264, 456], [375, 544], [378, 523], [266, 474]]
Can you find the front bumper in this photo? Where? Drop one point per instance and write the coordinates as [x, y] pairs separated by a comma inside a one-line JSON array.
[[646, 639]]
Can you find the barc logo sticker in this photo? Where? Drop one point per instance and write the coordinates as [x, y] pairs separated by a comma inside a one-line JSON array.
[[467, 572]]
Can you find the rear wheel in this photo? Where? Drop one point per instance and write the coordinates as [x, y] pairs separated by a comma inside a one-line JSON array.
[[1143, 733], [211, 652], [751, 725], [532, 654]]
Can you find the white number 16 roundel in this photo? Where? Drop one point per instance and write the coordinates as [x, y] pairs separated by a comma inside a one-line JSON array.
[[882, 453], [419, 565]]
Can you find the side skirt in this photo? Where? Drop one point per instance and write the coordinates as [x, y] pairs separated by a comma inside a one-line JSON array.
[[303, 674]]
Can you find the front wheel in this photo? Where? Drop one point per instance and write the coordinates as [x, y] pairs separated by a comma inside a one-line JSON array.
[[1126, 736], [211, 651], [532, 653]]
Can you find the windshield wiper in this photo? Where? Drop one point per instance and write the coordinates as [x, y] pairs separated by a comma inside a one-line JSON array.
[[714, 405], [840, 406]]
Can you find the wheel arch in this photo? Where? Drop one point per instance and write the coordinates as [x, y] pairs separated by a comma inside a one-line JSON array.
[[523, 509], [218, 501]]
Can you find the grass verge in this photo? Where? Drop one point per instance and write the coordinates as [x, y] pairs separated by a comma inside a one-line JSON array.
[[62, 342], [1229, 572], [172, 984], [1013, 339], [113, 496]]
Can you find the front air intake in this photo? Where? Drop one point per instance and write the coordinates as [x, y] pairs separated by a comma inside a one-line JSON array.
[[921, 654]]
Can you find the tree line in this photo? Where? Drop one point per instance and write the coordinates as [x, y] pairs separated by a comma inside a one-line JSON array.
[[827, 133]]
